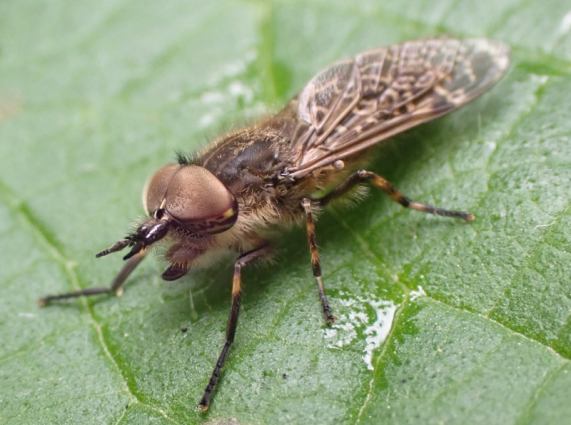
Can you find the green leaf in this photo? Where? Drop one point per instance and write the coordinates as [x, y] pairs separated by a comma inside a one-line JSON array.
[[461, 323]]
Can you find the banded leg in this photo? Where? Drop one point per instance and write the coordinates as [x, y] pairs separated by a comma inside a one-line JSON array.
[[387, 187], [315, 263], [114, 288], [242, 261]]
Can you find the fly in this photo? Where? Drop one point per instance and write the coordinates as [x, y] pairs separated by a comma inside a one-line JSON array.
[[233, 196]]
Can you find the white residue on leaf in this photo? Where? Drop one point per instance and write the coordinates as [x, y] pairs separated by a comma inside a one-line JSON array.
[[216, 102], [206, 120], [26, 315], [417, 293], [369, 317], [212, 97], [490, 148], [237, 89], [233, 69], [541, 79], [229, 91], [377, 332], [565, 24]]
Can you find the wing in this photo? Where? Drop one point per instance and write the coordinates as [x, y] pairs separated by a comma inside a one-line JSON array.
[[356, 103]]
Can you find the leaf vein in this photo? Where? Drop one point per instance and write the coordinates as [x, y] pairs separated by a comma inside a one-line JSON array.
[[549, 377], [49, 243]]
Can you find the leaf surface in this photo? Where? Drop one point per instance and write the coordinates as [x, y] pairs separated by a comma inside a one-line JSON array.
[[460, 323]]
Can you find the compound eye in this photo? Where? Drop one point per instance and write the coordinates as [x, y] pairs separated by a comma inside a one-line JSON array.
[[156, 187], [200, 201]]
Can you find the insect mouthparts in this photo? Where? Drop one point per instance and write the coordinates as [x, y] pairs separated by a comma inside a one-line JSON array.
[[117, 246], [147, 234]]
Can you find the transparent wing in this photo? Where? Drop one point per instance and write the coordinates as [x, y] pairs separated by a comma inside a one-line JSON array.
[[356, 103]]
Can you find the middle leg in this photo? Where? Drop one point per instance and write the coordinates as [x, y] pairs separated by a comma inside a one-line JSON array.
[[315, 262], [116, 286]]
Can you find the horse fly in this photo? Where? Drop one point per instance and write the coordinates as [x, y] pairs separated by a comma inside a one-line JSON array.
[[285, 168]]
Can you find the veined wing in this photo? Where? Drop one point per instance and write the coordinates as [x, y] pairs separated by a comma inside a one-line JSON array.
[[356, 103]]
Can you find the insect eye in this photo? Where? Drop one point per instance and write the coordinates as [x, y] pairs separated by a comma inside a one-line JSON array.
[[156, 189], [200, 201]]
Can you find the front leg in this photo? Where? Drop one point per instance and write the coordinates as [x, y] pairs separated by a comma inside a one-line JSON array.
[[116, 286], [242, 261]]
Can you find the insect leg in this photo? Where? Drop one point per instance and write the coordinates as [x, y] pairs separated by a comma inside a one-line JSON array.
[[387, 187], [114, 288], [242, 261], [315, 263]]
